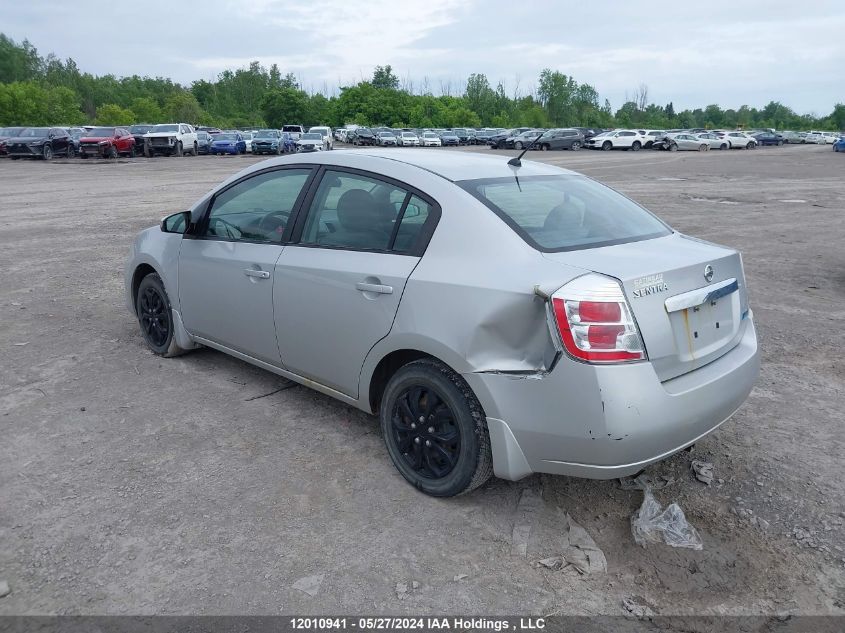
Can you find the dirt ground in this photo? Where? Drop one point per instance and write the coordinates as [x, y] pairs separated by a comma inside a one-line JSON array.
[[135, 484]]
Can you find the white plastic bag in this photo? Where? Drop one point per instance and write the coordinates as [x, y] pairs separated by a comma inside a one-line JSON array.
[[653, 524]]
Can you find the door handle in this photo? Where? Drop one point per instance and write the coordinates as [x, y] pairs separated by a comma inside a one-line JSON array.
[[261, 274], [380, 289]]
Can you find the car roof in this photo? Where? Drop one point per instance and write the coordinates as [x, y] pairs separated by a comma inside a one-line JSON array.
[[452, 166]]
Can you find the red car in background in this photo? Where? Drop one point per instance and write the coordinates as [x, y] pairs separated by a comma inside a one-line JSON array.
[[107, 142]]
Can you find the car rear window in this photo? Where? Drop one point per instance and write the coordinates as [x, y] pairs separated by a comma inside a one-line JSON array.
[[563, 213]]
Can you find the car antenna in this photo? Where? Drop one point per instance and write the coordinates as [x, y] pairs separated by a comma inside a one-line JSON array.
[[515, 161]]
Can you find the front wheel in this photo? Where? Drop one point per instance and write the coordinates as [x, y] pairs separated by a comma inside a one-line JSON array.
[[703, 147], [155, 315], [606, 146], [723, 146], [131, 151], [47, 152], [780, 143], [113, 152], [435, 430], [177, 151], [545, 147], [673, 147], [517, 145], [70, 151]]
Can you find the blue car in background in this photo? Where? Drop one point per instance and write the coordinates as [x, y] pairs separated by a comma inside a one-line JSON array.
[[289, 142], [839, 146], [228, 143]]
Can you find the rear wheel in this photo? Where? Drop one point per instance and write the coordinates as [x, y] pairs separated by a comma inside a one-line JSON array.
[[155, 316], [780, 143], [435, 431], [576, 145], [636, 146], [723, 146], [517, 145], [545, 147]]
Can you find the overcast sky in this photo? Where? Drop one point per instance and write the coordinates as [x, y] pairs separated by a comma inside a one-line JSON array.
[[730, 52]]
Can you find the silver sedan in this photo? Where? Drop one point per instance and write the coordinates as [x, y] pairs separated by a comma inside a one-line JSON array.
[[500, 317]]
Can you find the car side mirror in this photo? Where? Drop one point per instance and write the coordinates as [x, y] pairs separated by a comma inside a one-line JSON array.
[[176, 223]]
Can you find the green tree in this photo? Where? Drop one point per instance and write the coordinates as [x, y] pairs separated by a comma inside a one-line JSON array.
[[183, 107], [383, 77], [146, 110], [284, 105], [113, 114]]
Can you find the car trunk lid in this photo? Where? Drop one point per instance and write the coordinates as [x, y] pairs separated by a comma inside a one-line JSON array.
[[687, 316]]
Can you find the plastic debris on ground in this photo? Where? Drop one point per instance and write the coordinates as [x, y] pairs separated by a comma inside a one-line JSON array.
[[703, 471], [643, 481], [579, 551], [653, 524]]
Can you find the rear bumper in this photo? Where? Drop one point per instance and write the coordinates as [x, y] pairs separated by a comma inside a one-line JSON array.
[[605, 422]]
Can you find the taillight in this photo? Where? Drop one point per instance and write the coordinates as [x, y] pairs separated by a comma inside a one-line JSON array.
[[594, 321]]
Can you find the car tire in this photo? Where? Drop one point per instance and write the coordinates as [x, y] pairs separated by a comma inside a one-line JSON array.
[[47, 152], [113, 153], [70, 151], [196, 151], [177, 151], [749, 145], [673, 147], [636, 146], [544, 147], [452, 454], [517, 145], [155, 317], [606, 146], [703, 147], [780, 143], [723, 146], [148, 152], [132, 151], [575, 146]]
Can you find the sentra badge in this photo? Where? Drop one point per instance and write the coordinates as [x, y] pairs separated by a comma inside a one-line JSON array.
[[650, 285]]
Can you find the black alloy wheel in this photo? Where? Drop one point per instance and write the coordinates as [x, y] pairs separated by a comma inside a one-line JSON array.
[[47, 152], [155, 317], [70, 150], [435, 430]]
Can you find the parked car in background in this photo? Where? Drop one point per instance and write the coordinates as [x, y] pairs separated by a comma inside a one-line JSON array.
[[5, 134], [247, 137], [431, 139], [327, 134], [741, 140], [406, 139], [107, 142], [228, 143], [649, 136], [311, 142], [481, 137], [830, 137], [210, 130], [463, 135], [267, 142], [430, 259], [40, 142], [588, 132], [449, 138], [815, 137], [295, 130], [362, 136], [839, 145], [563, 138], [768, 138], [138, 131], [497, 141], [386, 138], [203, 142], [523, 139], [714, 140], [616, 139], [288, 142], [171, 139], [682, 141]]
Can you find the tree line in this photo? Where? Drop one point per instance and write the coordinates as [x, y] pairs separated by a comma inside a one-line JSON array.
[[37, 90]]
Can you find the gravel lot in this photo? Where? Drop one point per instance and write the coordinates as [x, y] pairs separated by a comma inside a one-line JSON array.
[[135, 484]]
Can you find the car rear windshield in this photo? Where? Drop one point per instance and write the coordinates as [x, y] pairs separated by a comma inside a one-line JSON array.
[[565, 212]]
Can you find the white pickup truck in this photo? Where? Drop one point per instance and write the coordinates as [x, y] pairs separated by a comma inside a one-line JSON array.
[[171, 139]]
